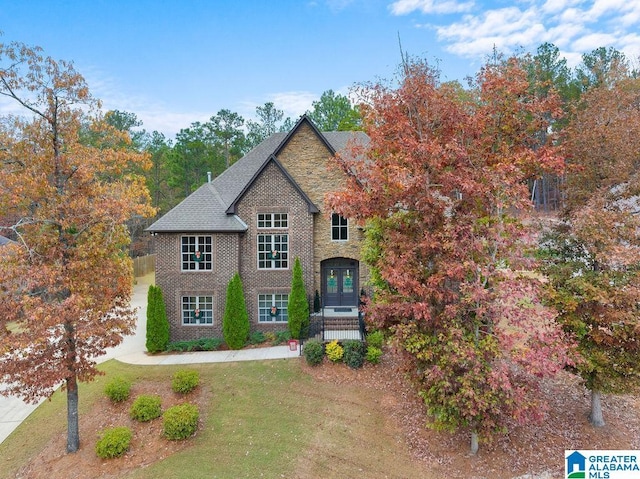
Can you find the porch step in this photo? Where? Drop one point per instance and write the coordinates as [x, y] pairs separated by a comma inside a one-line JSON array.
[[341, 311], [341, 323]]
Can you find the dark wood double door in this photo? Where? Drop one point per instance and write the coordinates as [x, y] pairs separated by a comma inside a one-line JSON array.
[[340, 282]]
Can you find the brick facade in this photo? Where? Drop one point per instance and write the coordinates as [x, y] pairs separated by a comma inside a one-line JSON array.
[[305, 157]]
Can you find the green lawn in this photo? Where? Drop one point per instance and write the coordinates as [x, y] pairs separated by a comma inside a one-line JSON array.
[[264, 419]]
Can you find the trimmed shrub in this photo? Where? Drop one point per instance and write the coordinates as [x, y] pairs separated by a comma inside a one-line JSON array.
[[316, 302], [235, 322], [180, 422], [185, 381], [113, 442], [270, 336], [334, 351], [375, 339], [298, 307], [157, 322], [118, 389], [146, 407], [313, 352], [373, 354], [353, 353], [202, 344]]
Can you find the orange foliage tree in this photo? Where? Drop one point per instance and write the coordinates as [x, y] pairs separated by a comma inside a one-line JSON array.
[[439, 187], [592, 256], [66, 282]]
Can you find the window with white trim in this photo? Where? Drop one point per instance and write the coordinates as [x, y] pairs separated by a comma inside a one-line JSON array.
[[339, 228], [273, 220], [272, 308], [197, 310], [273, 251], [196, 253]]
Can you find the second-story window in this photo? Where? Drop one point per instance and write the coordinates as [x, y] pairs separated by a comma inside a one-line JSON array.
[[273, 251], [339, 228], [196, 253]]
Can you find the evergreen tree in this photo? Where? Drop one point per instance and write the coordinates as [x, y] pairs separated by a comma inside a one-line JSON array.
[[157, 323], [298, 308], [235, 323]]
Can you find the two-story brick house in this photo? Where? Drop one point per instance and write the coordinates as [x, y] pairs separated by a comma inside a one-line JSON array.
[[256, 218]]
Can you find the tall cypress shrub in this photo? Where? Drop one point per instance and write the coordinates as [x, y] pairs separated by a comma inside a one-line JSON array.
[[298, 307], [157, 323], [235, 322]]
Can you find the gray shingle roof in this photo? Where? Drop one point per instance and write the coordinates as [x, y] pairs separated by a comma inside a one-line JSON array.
[[205, 210]]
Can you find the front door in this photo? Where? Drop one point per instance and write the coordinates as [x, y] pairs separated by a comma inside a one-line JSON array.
[[340, 283]]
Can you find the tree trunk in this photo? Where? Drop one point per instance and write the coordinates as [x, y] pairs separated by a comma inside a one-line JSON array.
[[595, 417], [73, 430], [474, 443]]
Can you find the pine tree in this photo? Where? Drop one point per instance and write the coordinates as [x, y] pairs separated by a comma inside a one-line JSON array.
[[235, 322], [298, 308]]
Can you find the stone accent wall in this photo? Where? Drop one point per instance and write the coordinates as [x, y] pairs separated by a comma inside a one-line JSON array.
[[273, 193], [176, 283], [307, 159]]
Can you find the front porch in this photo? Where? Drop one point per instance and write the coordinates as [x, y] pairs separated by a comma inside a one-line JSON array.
[[337, 322]]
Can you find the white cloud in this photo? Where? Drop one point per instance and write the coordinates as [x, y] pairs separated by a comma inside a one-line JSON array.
[[574, 26], [293, 103], [588, 43], [404, 7]]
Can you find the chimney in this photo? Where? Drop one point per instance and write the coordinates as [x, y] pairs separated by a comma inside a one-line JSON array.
[[208, 177]]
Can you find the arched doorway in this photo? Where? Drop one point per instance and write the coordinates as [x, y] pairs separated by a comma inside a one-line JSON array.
[[340, 282]]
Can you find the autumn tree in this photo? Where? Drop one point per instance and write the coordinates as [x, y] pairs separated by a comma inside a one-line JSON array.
[[437, 191], [66, 283], [592, 254]]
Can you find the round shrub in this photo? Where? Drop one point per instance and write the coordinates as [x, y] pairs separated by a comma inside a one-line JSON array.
[[313, 352], [375, 339], [118, 389], [185, 381], [373, 354], [334, 351], [146, 407], [113, 442], [180, 422], [353, 353]]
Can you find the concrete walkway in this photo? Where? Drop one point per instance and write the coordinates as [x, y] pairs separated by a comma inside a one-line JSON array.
[[133, 351]]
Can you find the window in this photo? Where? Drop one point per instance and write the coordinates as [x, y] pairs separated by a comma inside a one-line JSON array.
[[339, 228], [273, 251], [273, 220], [197, 310], [272, 308], [196, 253]]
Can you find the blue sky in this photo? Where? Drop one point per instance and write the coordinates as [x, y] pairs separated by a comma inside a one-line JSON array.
[[173, 62]]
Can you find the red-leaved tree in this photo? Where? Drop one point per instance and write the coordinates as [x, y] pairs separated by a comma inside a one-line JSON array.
[[441, 189]]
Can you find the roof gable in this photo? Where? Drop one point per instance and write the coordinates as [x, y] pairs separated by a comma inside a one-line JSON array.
[[212, 207], [272, 159]]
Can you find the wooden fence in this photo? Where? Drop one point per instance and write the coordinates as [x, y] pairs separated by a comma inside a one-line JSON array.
[[143, 265]]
